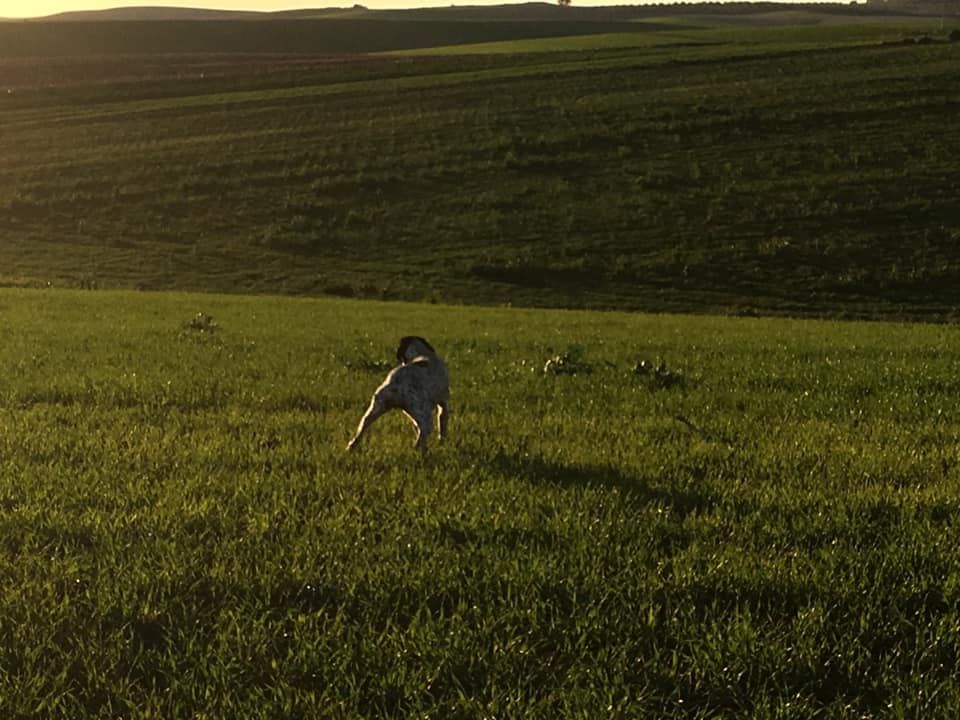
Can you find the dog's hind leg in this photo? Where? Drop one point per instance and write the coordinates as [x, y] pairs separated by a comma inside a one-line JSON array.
[[443, 419], [423, 419], [377, 408]]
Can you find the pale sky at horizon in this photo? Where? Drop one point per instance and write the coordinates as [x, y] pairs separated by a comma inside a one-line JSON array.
[[41, 8]]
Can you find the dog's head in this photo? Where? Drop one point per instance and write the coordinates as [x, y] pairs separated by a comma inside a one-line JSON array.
[[411, 347]]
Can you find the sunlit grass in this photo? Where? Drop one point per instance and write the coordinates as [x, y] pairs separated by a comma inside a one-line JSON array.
[[685, 34], [769, 534], [607, 41]]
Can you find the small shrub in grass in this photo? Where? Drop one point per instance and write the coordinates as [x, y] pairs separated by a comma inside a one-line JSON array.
[[570, 362], [658, 375], [201, 323]]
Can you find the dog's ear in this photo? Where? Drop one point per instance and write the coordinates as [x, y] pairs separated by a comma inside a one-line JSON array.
[[411, 346], [402, 350]]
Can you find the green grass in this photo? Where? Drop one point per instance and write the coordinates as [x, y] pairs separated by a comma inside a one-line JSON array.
[[691, 38], [649, 36], [636, 515], [770, 533]]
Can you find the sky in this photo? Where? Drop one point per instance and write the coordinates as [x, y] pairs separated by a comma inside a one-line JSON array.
[[39, 8]]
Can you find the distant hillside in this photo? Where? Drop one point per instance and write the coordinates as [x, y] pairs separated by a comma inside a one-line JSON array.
[[797, 170], [149, 13], [531, 11], [341, 36], [180, 13], [357, 30]]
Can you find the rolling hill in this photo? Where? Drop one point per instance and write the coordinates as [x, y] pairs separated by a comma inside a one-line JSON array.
[[663, 165], [528, 11]]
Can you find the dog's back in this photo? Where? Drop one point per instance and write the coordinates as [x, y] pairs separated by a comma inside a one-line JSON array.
[[418, 386], [422, 377]]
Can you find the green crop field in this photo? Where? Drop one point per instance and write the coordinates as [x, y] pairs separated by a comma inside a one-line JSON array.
[[677, 517], [799, 169], [671, 515]]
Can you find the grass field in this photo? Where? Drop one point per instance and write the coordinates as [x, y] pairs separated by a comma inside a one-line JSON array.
[[636, 515], [803, 169], [763, 527]]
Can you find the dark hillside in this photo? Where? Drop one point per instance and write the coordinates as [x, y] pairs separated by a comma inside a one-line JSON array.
[[149, 13], [778, 170], [333, 36], [531, 11]]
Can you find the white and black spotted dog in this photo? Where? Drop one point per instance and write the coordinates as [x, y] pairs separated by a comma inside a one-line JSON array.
[[418, 386]]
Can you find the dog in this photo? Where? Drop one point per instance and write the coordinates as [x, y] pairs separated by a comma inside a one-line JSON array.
[[418, 386]]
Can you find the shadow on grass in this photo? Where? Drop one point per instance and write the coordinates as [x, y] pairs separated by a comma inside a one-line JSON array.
[[536, 469]]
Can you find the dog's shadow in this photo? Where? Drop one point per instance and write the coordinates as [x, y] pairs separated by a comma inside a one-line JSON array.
[[536, 469]]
